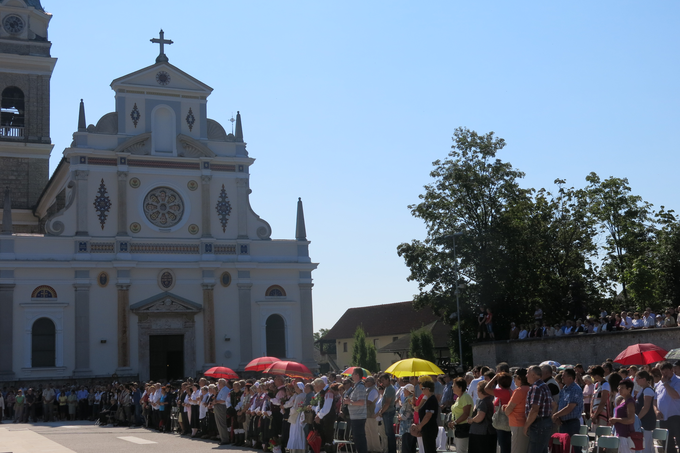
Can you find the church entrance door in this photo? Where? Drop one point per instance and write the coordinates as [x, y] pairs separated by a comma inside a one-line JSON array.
[[166, 357]]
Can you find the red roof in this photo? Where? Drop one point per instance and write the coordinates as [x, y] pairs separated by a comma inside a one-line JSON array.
[[381, 320]]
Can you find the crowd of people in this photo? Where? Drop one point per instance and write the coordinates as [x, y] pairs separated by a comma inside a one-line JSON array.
[[540, 401], [626, 320], [515, 410]]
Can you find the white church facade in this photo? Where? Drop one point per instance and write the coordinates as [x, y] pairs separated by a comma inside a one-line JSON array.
[[140, 255]]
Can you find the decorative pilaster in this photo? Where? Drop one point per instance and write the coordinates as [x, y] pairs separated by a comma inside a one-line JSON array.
[[245, 321], [6, 331], [205, 205], [242, 192], [123, 325], [82, 308], [7, 213], [208, 323], [122, 200], [306, 324], [82, 202]]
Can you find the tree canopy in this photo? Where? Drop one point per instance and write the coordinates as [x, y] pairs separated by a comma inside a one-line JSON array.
[[569, 251]]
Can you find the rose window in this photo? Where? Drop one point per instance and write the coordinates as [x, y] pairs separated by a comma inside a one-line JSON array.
[[163, 207]]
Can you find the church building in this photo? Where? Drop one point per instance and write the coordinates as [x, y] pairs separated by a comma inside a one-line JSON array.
[[141, 255]]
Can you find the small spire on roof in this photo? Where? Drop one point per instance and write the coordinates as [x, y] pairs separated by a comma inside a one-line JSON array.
[[239, 128], [7, 213], [82, 125], [300, 230]]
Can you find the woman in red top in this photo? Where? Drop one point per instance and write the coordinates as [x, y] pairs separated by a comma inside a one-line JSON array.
[[502, 394]]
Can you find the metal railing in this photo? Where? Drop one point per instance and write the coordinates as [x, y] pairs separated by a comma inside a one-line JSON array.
[[11, 132]]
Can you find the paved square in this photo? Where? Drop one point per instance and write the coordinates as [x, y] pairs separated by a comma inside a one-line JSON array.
[[86, 437]]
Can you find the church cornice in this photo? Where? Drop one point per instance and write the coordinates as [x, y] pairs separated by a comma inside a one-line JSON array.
[[26, 64]]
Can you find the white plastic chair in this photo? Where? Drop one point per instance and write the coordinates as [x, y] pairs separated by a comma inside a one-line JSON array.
[[608, 442], [662, 435], [580, 440]]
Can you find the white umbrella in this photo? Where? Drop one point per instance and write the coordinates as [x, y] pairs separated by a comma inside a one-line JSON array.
[[551, 363]]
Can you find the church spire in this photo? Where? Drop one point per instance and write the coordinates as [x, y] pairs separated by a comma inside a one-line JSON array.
[[7, 213], [239, 128], [300, 230], [82, 125]]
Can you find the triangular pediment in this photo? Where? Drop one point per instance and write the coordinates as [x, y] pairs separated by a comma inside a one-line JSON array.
[[165, 303], [161, 77]]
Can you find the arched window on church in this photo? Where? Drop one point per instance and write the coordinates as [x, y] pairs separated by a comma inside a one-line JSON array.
[[43, 343], [276, 336], [44, 292], [163, 130], [275, 291], [12, 113]]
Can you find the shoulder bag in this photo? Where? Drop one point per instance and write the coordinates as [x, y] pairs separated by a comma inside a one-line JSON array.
[[500, 420]]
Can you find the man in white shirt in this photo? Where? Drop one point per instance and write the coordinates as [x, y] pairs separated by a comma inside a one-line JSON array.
[[478, 373], [154, 401], [222, 402], [667, 405]]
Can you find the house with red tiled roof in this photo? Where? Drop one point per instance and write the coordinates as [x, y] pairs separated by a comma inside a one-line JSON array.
[[388, 327]]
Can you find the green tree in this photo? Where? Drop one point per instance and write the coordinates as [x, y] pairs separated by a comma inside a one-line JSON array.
[[626, 222], [520, 247], [415, 346], [422, 345], [319, 335], [363, 353], [470, 193]]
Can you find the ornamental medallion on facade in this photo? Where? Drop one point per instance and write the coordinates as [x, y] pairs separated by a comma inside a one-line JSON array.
[[163, 207], [135, 115], [191, 119], [166, 279], [102, 204], [223, 209]]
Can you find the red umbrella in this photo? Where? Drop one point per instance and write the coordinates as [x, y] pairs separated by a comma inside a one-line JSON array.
[[290, 369], [221, 372], [260, 364], [641, 354]]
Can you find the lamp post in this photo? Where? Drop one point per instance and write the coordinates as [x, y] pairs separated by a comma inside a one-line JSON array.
[[456, 292]]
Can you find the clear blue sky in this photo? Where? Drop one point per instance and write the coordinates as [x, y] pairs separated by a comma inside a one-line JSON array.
[[347, 104]]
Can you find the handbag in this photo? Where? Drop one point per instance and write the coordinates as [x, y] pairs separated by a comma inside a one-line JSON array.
[[314, 441], [309, 417], [414, 431], [500, 420], [462, 431]]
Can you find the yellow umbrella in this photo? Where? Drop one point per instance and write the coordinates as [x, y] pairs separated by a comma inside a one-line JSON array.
[[413, 367]]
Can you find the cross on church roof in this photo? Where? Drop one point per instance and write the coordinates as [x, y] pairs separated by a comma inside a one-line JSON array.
[[162, 41]]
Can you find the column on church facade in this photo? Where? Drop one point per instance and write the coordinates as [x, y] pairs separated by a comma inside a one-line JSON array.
[[6, 330], [123, 326], [82, 309], [242, 207], [122, 200], [208, 323], [82, 203], [205, 205], [306, 323], [245, 322]]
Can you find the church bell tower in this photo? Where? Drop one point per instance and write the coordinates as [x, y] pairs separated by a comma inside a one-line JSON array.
[[25, 71]]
